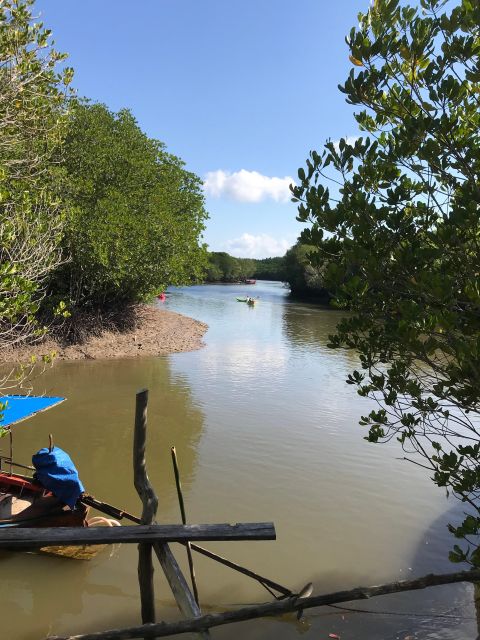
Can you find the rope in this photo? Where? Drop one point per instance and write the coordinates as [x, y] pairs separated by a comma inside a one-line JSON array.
[[402, 613]]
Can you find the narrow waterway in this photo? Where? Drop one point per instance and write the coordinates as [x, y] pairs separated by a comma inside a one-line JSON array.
[[265, 429]]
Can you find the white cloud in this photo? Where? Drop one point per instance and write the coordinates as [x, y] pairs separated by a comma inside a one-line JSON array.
[[349, 140], [247, 186], [261, 246]]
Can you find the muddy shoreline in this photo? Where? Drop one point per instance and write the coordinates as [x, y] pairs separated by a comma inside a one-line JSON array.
[[155, 332]]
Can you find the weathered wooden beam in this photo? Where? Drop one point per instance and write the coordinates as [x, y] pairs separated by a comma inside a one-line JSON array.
[[162, 629], [26, 538], [175, 578], [150, 504], [140, 476]]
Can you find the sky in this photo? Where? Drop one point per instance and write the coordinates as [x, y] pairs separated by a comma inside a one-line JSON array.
[[240, 90]]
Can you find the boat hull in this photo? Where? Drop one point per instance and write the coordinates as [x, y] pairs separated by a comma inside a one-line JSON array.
[[23, 503]]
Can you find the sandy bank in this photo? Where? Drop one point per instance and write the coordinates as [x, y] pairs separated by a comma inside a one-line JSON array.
[[155, 332]]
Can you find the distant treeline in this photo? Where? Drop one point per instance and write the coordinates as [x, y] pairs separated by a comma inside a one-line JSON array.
[[299, 267], [223, 267]]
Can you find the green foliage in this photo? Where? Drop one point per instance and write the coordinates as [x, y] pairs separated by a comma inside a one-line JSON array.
[[32, 122], [223, 267], [246, 267], [305, 273], [270, 269], [135, 213], [397, 215]]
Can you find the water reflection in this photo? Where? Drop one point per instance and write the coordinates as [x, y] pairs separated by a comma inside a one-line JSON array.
[[266, 429], [282, 432], [307, 326], [38, 591], [96, 424], [47, 595]]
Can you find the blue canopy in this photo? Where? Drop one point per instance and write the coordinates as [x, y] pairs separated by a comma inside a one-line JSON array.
[[19, 408]]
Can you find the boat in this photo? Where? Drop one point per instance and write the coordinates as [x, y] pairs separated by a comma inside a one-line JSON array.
[[250, 282], [25, 503], [50, 498], [54, 496], [248, 300]]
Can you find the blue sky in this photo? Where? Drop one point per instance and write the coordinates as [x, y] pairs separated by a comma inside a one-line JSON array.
[[241, 91]]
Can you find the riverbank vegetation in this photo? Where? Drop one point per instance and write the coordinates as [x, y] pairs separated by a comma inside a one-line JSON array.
[[33, 122], [222, 267], [134, 215], [298, 268], [402, 204], [295, 268], [95, 215]]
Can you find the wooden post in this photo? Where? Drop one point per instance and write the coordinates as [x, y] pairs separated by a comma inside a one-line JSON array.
[[150, 504]]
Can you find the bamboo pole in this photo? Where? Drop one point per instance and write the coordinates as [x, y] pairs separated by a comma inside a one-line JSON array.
[[163, 629], [184, 521], [150, 504], [15, 464], [10, 437], [265, 582]]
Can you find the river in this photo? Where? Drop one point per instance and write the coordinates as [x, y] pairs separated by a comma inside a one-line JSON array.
[[265, 429]]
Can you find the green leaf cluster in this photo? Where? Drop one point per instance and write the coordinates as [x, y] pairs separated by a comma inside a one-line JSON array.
[[305, 273], [32, 123], [396, 214], [222, 267], [135, 214], [94, 214]]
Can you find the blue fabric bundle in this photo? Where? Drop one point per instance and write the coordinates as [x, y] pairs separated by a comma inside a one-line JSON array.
[[56, 472]]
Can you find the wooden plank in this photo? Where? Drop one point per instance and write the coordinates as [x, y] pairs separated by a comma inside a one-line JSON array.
[[179, 586], [150, 504], [181, 591], [24, 538]]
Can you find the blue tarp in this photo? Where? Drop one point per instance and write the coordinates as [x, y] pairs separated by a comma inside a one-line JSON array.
[[21, 407], [57, 473]]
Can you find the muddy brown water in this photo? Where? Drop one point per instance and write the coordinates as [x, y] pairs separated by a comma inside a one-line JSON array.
[[265, 429]]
